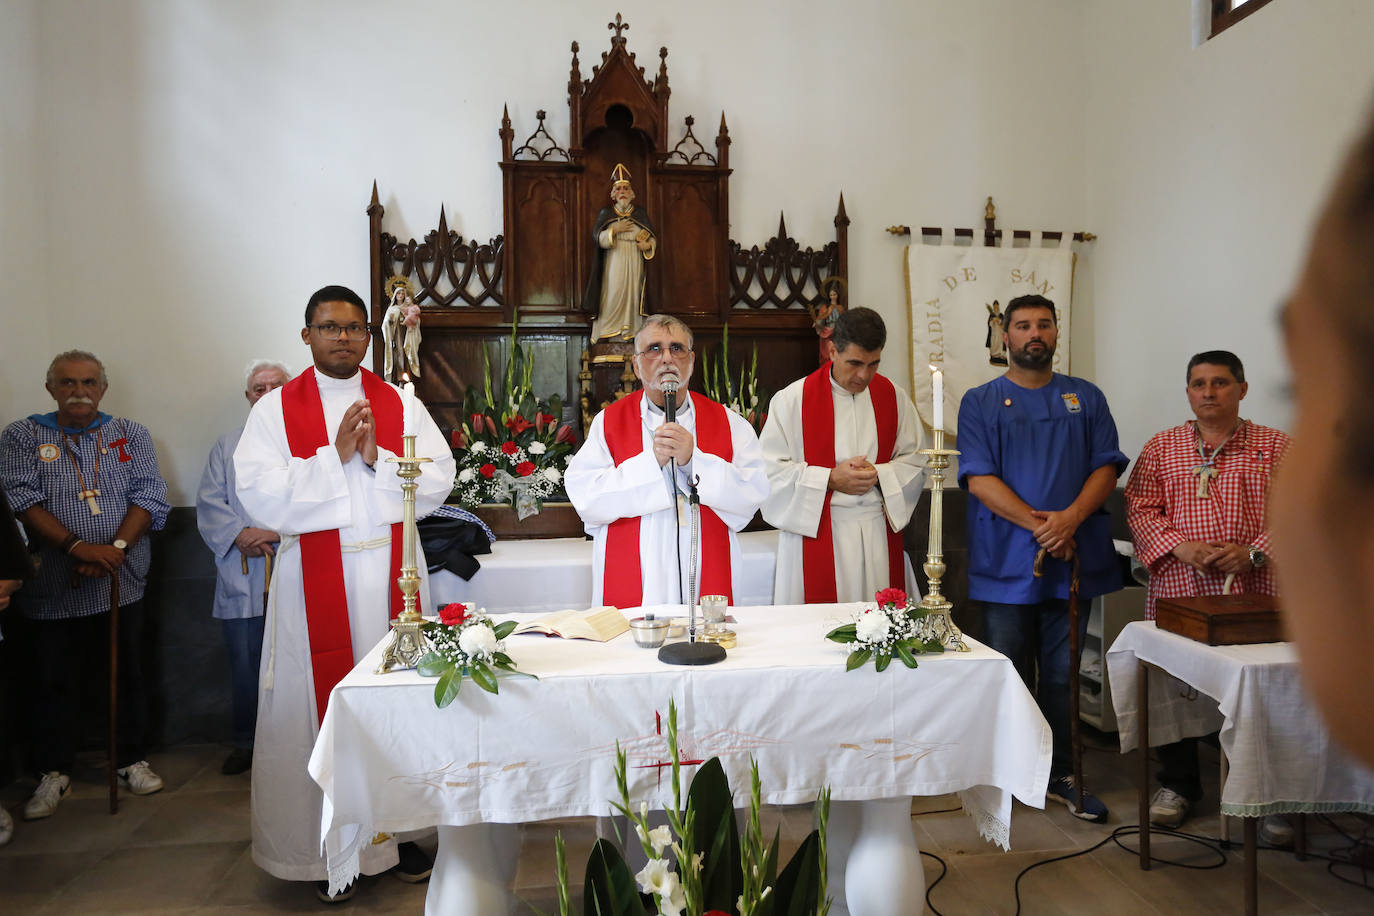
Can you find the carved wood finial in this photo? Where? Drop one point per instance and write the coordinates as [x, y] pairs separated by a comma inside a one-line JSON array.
[[989, 212], [374, 202], [575, 75], [663, 63], [782, 226], [619, 26], [505, 116], [841, 217]]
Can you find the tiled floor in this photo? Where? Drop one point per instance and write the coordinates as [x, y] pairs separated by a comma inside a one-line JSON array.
[[185, 850]]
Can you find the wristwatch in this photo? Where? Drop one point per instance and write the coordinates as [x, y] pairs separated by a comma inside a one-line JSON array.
[[1257, 557], [124, 545]]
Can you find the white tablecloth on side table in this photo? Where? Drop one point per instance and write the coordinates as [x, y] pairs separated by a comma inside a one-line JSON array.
[[1281, 758], [562, 567], [388, 760]]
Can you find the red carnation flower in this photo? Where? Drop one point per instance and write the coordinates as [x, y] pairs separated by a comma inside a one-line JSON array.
[[891, 596], [525, 468], [487, 470], [509, 448], [453, 614]]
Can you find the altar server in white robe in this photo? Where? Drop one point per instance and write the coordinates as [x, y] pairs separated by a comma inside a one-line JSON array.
[[623, 485], [841, 450], [312, 465]]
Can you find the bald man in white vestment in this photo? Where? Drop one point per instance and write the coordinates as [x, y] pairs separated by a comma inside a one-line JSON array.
[[841, 450], [312, 465], [624, 488]]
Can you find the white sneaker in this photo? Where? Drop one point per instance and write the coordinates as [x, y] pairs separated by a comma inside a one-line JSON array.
[[1276, 831], [47, 796], [6, 827], [1168, 808], [140, 779]]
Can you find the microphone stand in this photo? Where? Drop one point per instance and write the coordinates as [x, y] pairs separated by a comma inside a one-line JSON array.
[[690, 652]]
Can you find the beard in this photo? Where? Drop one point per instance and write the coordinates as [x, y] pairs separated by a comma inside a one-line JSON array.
[[1035, 360]]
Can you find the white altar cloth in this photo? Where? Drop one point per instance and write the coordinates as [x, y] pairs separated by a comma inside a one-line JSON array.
[[563, 568], [1281, 758], [388, 760]]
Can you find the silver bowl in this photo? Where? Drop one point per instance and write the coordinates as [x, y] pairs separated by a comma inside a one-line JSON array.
[[649, 634]]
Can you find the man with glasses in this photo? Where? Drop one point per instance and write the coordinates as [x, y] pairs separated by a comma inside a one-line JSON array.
[[87, 488], [841, 447], [312, 466], [630, 481]]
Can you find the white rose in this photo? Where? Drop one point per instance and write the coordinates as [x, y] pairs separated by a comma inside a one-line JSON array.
[[466, 475], [872, 626], [551, 475], [538, 448], [477, 447], [477, 642]]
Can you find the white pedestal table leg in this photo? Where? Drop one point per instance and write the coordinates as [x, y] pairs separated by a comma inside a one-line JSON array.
[[474, 870], [880, 871]]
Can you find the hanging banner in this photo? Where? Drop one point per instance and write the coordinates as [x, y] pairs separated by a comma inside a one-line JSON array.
[[955, 296]]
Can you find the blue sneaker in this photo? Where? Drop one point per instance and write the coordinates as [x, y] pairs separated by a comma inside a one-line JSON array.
[[1062, 790]]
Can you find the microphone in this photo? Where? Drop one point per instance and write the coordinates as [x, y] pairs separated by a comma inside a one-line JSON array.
[[669, 389]]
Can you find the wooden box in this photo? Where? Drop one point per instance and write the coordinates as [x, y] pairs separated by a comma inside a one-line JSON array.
[[557, 520], [1221, 620]]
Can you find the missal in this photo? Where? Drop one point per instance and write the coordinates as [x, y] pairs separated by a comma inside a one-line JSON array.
[[601, 624]]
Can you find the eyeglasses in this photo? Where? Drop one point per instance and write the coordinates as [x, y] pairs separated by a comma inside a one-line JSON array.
[[335, 331], [675, 350]]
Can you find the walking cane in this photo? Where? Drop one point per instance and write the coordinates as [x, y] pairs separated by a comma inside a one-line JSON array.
[[1075, 659], [112, 740]]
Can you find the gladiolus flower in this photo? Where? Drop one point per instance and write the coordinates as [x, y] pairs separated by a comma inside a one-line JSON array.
[[488, 470], [525, 468]]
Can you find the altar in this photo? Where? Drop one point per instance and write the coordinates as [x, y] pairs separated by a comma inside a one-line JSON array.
[[388, 760]]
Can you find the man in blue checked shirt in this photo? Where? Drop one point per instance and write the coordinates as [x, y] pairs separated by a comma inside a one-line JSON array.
[[87, 488], [242, 552]]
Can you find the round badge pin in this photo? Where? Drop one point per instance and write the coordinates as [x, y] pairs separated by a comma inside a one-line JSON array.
[[48, 452], [1007, 402]]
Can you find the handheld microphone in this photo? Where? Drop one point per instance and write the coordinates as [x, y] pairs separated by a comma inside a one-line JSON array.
[[669, 389]]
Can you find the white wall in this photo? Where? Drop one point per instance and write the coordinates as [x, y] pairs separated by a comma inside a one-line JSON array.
[[1204, 168], [205, 166]]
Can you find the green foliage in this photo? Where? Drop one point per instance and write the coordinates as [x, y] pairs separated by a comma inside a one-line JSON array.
[[738, 391], [608, 889]]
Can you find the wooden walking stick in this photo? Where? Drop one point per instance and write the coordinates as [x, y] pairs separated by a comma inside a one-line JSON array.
[[1075, 659], [113, 738]]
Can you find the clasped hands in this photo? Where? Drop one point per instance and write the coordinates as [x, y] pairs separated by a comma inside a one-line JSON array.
[[257, 542], [357, 433], [854, 476], [1055, 532], [673, 441], [1215, 556]]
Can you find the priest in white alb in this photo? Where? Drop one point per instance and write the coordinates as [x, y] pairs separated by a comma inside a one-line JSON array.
[[841, 447], [312, 465], [629, 481]]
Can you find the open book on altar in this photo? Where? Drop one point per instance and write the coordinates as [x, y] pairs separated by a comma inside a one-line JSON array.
[[601, 624]]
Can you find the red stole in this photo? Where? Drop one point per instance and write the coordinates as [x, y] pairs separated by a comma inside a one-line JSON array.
[[818, 437], [622, 582], [326, 602]]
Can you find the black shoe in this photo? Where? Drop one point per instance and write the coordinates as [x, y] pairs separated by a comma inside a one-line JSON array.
[[415, 866], [239, 760], [322, 891]]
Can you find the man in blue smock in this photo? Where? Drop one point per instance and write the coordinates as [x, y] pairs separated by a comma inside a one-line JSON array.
[[242, 551], [1039, 457]]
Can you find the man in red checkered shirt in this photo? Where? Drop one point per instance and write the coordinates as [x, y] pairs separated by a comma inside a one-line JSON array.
[[1195, 503]]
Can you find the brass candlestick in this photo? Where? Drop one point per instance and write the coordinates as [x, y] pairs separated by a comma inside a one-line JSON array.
[[408, 644], [934, 602]]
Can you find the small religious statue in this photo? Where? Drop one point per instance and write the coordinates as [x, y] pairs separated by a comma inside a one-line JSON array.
[[624, 239], [997, 346], [401, 333], [823, 317]]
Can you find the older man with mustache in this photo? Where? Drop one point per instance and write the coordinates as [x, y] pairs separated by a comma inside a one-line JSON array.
[[87, 488], [622, 484]]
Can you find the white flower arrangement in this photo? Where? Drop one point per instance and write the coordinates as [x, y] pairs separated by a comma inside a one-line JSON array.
[[893, 628]]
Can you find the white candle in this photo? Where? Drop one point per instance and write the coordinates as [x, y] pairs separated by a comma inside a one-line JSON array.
[[408, 406], [937, 392]]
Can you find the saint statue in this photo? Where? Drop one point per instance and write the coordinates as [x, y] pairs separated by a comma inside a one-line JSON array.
[[997, 346], [823, 318], [625, 239], [401, 334]]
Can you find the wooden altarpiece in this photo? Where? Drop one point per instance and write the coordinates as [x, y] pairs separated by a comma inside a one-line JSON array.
[[470, 293]]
